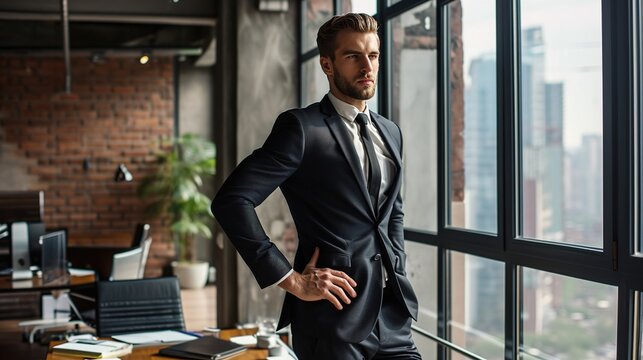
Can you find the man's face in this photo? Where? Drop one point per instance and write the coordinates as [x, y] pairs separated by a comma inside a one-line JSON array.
[[353, 72]]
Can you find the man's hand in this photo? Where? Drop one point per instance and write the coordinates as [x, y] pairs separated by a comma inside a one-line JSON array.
[[317, 284]]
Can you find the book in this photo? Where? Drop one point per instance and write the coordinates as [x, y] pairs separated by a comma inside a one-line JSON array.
[[155, 337], [204, 348], [95, 349]]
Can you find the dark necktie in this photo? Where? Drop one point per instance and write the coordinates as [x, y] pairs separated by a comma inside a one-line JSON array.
[[374, 173]]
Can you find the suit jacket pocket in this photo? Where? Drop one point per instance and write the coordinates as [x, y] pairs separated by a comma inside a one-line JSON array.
[[400, 263], [333, 260]]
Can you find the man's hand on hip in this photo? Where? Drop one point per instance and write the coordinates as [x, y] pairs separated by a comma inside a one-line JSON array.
[[317, 284]]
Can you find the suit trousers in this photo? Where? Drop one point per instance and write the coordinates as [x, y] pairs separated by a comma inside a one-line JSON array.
[[390, 339]]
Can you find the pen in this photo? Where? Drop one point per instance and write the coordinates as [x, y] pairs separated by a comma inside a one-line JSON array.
[[190, 333], [95, 342]]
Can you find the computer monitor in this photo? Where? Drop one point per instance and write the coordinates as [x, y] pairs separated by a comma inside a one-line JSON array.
[[54, 258], [21, 206], [35, 231]]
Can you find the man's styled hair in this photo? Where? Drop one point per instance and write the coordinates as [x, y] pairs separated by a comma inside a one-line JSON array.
[[353, 22]]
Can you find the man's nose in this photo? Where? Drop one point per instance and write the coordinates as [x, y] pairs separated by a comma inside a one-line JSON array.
[[367, 66]]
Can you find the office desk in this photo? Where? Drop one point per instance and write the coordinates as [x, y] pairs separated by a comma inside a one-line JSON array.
[[35, 284], [149, 352]]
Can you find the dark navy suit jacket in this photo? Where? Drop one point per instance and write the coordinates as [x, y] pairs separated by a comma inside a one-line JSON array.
[[310, 156]]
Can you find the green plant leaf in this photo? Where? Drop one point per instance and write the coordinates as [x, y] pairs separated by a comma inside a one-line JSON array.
[[174, 188]]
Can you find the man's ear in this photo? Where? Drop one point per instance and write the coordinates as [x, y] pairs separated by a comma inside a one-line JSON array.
[[326, 65]]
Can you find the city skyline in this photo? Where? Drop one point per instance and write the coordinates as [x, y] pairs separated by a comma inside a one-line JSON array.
[[573, 56]]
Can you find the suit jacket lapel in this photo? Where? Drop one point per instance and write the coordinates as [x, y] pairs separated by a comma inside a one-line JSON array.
[[388, 139], [339, 131], [395, 153]]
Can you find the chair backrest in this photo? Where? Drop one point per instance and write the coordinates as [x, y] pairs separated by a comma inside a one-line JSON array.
[[145, 247], [126, 265], [141, 233], [138, 305]]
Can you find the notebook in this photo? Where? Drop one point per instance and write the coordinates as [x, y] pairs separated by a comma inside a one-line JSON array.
[[204, 348], [93, 348]]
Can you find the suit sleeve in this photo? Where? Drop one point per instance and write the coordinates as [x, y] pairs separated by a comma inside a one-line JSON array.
[[254, 179], [396, 221]]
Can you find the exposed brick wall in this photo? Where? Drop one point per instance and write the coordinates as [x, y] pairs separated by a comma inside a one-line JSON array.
[[118, 112]]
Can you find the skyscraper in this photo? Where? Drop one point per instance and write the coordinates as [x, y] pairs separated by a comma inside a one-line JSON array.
[[480, 146]]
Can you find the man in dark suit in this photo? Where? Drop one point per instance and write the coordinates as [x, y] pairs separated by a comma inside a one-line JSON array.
[[339, 167]]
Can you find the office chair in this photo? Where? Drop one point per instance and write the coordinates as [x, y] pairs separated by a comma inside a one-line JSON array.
[[126, 265], [145, 247], [138, 305], [100, 258], [141, 233]]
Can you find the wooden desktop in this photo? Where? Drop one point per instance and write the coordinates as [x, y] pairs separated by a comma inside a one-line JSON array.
[[35, 284], [149, 352]]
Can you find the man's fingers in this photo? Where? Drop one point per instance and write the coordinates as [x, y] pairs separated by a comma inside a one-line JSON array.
[[345, 282], [333, 300], [345, 276], [313, 259], [336, 285], [340, 293]]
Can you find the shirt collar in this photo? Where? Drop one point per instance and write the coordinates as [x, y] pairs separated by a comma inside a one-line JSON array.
[[346, 110]]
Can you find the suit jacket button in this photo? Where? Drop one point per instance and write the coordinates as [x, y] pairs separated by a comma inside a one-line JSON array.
[[377, 257]]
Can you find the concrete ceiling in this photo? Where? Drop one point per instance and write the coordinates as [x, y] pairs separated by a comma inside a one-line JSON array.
[[34, 25]]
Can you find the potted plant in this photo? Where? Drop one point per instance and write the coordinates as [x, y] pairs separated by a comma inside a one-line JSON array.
[[175, 190]]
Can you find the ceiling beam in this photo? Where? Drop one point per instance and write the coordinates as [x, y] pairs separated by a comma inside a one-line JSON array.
[[134, 19]]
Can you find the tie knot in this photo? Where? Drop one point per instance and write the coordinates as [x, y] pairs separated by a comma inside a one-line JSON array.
[[361, 119]]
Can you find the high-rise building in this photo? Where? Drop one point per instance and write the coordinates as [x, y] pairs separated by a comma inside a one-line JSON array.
[[480, 146], [484, 279], [541, 124]]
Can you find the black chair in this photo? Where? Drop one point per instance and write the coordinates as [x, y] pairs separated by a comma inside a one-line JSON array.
[[130, 306], [141, 233]]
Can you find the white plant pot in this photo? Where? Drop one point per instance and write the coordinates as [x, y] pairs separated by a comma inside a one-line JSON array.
[[191, 275]]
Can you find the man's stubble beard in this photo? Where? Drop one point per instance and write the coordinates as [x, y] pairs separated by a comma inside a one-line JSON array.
[[346, 88]]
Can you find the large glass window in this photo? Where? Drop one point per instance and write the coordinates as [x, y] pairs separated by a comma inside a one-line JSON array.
[[422, 269], [314, 81], [473, 116], [358, 6], [639, 344], [567, 318], [546, 114], [561, 133], [477, 305], [413, 105], [315, 14], [638, 109]]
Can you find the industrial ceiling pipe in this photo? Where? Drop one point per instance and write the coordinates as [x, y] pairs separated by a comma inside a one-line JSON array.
[[65, 24]]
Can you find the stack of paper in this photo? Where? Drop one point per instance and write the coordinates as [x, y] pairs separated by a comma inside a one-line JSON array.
[[93, 348]]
